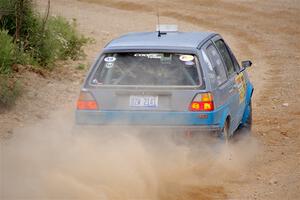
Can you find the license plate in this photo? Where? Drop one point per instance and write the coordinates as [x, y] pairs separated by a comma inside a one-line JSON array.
[[143, 101]]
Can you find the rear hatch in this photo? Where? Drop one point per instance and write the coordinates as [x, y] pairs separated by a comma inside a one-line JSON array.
[[145, 81]]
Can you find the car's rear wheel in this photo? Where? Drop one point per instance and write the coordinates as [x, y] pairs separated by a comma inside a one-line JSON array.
[[247, 125], [225, 133]]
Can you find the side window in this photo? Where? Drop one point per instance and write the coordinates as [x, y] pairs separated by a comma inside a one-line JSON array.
[[226, 56], [217, 65], [235, 62], [211, 71]]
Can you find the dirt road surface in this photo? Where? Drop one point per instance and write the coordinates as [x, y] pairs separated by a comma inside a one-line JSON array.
[[40, 161]]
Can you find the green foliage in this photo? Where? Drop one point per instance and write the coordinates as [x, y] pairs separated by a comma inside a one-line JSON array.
[[7, 52], [23, 57], [8, 22], [42, 46], [58, 41], [41, 41], [69, 42], [11, 54], [33, 41], [9, 91]]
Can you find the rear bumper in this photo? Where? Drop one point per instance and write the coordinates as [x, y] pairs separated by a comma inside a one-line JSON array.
[[115, 128], [188, 121]]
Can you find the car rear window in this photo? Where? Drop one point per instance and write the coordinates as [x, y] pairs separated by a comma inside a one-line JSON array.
[[147, 69]]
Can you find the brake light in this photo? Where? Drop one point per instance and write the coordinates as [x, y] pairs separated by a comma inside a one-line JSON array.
[[202, 102], [86, 101]]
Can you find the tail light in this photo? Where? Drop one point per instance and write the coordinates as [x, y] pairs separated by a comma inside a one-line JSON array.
[[86, 101], [202, 102]]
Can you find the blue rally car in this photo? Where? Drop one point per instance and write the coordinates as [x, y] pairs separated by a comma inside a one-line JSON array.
[[183, 80]]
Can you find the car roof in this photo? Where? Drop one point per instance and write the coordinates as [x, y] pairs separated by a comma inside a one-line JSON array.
[[170, 40]]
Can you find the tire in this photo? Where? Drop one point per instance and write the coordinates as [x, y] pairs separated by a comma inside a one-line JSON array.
[[225, 133], [247, 125]]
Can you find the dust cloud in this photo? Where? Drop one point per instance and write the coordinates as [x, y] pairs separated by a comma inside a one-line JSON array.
[[54, 160]]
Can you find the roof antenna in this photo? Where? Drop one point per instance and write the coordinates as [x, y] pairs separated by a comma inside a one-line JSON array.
[[158, 21]]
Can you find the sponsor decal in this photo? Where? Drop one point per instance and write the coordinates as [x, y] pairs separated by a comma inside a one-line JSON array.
[[186, 58], [110, 59], [240, 81], [109, 65], [149, 55]]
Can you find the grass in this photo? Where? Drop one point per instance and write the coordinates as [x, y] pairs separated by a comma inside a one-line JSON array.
[[7, 52], [9, 91]]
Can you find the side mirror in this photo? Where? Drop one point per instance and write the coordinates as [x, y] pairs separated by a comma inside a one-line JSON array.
[[246, 64]]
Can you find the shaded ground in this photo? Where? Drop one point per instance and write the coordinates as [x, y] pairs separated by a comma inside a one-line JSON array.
[[266, 32]]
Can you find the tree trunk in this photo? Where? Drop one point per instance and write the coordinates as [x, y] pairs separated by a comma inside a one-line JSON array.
[[19, 18], [46, 16]]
